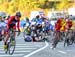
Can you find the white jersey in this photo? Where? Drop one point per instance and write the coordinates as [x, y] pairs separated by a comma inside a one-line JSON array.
[[3, 24]]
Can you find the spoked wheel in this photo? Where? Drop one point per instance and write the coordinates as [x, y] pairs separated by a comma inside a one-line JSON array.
[[65, 42], [70, 42], [12, 47], [7, 50], [55, 43]]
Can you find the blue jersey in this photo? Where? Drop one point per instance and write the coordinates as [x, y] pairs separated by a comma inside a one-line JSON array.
[[3, 24], [39, 21], [51, 27]]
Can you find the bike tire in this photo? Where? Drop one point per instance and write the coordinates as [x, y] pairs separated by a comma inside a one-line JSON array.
[[12, 47], [65, 42], [55, 43], [7, 50], [71, 42]]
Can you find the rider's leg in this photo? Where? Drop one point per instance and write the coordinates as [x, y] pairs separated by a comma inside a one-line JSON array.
[[2, 31], [5, 41], [53, 43], [14, 34]]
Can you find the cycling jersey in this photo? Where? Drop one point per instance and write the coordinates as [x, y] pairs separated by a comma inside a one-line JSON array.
[[63, 24], [57, 25], [69, 23], [38, 21], [3, 26], [51, 27], [12, 23]]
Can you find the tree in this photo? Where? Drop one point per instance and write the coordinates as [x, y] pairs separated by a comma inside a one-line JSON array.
[[62, 4]]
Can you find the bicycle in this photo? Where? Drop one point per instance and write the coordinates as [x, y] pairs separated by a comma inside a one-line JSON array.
[[69, 38], [11, 42], [56, 39]]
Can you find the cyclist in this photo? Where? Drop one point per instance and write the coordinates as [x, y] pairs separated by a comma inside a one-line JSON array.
[[26, 22], [46, 25], [57, 34], [2, 27], [39, 23], [27, 26], [12, 24]]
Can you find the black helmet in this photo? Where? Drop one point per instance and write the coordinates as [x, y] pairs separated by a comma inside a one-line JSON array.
[[18, 14]]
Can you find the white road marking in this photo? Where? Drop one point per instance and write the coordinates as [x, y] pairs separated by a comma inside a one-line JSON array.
[[23, 46], [37, 50], [30, 43], [1, 49], [11, 55], [18, 51], [62, 52], [2, 52], [27, 44], [21, 49]]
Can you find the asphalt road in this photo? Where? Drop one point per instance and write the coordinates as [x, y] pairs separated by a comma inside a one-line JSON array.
[[38, 49]]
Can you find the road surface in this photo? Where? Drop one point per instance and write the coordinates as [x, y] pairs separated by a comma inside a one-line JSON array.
[[38, 49]]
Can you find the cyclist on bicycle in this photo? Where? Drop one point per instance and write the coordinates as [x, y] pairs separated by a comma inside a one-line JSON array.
[[2, 27], [27, 26], [39, 23], [12, 25], [57, 32], [45, 25]]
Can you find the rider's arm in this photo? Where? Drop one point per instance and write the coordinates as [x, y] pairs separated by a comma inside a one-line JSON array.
[[8, 22], [10, 19]]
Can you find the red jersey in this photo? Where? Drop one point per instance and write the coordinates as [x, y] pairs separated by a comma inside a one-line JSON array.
[[59, 21], [57, 25], [12, 20], [69, 23]]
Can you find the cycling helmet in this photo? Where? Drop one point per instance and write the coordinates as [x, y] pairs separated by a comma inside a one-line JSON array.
[[18, 14], [27, 18]]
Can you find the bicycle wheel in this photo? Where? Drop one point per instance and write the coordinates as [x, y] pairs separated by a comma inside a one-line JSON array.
[[7, 50], [70, 42], [12, 47], [56, 42], [65, 42]]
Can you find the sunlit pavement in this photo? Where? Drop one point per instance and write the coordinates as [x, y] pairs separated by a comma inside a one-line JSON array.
[[38, 49]]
